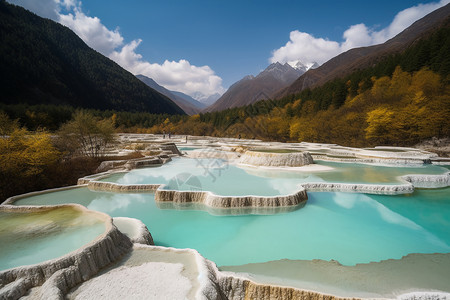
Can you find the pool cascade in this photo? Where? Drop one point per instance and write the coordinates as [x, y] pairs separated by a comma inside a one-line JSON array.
[[375, 160], [237, 287], [383, 189], [69, 270], [146, 162], [428, 181], [214, 153], [329, 152], [164, 193], [144, 267], [152, 161], [164, 153], [131, 265], [271, 158], [389, 279], [399, 221], [226, 202], [116, 187], [94, 183]]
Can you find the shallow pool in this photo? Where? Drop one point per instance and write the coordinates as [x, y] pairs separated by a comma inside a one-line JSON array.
[[348, 227], [32, 237], [222, 178]]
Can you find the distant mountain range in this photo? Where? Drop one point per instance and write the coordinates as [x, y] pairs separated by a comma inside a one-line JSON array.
[[208, 100], [187, 103], [251, 89], [361, 58], [43, 62]]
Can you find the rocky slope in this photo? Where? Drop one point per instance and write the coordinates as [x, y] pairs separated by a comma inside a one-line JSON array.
[[251, 89], [187, 103]]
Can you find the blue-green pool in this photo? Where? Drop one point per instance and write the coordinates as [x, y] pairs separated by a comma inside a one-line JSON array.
[[225, 179], [348, 227], [33, 237]]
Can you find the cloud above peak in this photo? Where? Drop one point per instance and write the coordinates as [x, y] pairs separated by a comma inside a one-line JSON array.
[[92, 31], [307, 48], [174, 75]]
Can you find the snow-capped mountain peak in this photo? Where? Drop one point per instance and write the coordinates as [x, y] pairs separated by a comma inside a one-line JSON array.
[[298, 65]]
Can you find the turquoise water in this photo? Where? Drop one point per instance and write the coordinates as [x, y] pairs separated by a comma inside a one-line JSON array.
[[368, 173], [32, 238], [188, 148], [208, 175], [229, 180], [348, 227]]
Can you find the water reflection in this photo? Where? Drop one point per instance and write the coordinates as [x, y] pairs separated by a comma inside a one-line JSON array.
[[229, 211]]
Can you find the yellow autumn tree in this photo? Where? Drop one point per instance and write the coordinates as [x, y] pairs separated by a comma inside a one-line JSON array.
[[379, 126], [380, 88], [24, 157], [399, 84], [426, 81], [26, 153]]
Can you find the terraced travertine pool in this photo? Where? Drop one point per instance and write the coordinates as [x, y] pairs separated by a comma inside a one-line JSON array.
[[348, 227], [30, 238], [222, 178]]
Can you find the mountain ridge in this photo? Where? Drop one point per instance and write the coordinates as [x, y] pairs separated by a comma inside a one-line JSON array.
[[44, 62], [189, 105], [362, 57], [251, 89]]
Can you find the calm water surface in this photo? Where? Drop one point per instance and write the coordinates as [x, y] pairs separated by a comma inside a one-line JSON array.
[[348, 227], [226, 179], [36, 237]]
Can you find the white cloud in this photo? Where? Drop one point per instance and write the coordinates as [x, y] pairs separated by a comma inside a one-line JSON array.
[[179, 75], [173, 75], [92, 31], [356, 36], [307, 48], [404, 19]]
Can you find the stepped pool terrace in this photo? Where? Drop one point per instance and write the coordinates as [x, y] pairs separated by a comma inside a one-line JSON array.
[[224, 178], [30, 237], [351, 228]]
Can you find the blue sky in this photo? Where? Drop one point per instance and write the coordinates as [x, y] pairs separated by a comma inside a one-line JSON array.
[[202, 47]]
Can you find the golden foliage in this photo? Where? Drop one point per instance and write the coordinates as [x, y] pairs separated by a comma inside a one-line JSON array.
[[401, 109], [26, 153]]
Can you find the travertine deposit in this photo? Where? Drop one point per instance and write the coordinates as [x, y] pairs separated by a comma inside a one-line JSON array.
[[428, 181], [273, 159], [111, 266], [385, 189], [216, 201], [59, 275]]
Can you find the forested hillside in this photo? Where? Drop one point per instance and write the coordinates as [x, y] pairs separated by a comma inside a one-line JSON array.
[[43, 62], [361, 58], [403, 99]]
